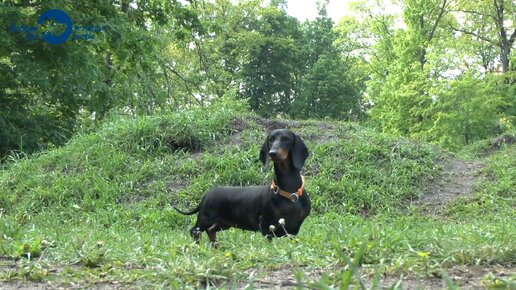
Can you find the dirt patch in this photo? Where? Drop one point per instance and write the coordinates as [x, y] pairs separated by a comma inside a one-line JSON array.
[[458, 179], [18, 276], [287, 277], [281, 278], [271, 125], [324, 133], [175, 185], [52, 286], [465, 277], [238, 125]]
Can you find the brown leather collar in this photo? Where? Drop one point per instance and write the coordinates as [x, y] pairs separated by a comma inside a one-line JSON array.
[[294, 196]]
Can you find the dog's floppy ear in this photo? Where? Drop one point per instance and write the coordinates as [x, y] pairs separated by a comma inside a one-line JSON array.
[[299, 153], [264, 155]]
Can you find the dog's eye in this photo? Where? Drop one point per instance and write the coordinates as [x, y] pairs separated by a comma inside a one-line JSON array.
[[272, 138]]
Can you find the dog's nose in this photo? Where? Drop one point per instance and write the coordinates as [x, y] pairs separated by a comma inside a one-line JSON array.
[[273, 154]]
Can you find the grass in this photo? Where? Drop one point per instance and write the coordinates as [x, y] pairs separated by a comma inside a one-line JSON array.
[[98, 210]]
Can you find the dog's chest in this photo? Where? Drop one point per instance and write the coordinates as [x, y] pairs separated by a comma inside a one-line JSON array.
[[290, 211]]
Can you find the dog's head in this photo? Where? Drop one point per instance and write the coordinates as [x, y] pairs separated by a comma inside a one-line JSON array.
[[282, 146]]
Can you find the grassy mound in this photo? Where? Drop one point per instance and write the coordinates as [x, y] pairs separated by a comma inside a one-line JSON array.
[[101, 205], [127, 159], [133, 161]]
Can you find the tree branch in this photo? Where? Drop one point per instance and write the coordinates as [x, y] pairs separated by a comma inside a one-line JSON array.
[[167, 80], [471, 12], [476, 35], [185, 83], [434, 27], [499, 18], [149, 88], [513, 37]]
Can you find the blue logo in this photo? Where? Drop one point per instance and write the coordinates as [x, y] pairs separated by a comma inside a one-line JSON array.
[[57, 27], [58, 16]]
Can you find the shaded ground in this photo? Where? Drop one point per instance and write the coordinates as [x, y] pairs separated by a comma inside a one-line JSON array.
[[498, 143]]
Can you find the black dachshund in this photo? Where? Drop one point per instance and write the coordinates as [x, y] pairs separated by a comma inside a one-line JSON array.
[[275, 210]]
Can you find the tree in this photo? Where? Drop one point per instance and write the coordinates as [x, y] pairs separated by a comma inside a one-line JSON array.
[[401, 79], [422, 83], [255, 49], [466, 110], [269, 78], [46, 88], [492, 22], [328, 87], [211, 63], [327, 91]]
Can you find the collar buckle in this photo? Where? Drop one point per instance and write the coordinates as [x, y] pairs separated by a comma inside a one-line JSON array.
[[294, 196]]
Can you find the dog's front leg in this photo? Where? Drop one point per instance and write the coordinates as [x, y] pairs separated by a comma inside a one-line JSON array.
[[195, 232], [265, 228], [212, 234]]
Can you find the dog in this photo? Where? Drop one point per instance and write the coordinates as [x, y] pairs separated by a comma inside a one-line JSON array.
[[275, 210]]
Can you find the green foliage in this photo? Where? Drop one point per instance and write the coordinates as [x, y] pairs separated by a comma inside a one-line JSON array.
[[46, 88], [257, 50], [377, 173], [327, 92], [421, 82], [457, 118], [162, 55], [219, 53], [489, 26], [363, 184], [143, 61], [270, 77], [328, 87]]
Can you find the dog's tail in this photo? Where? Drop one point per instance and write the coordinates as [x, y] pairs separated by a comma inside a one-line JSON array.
[[190, 212]]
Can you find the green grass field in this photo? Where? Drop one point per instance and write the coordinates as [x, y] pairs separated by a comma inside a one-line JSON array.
[[98, 211]]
